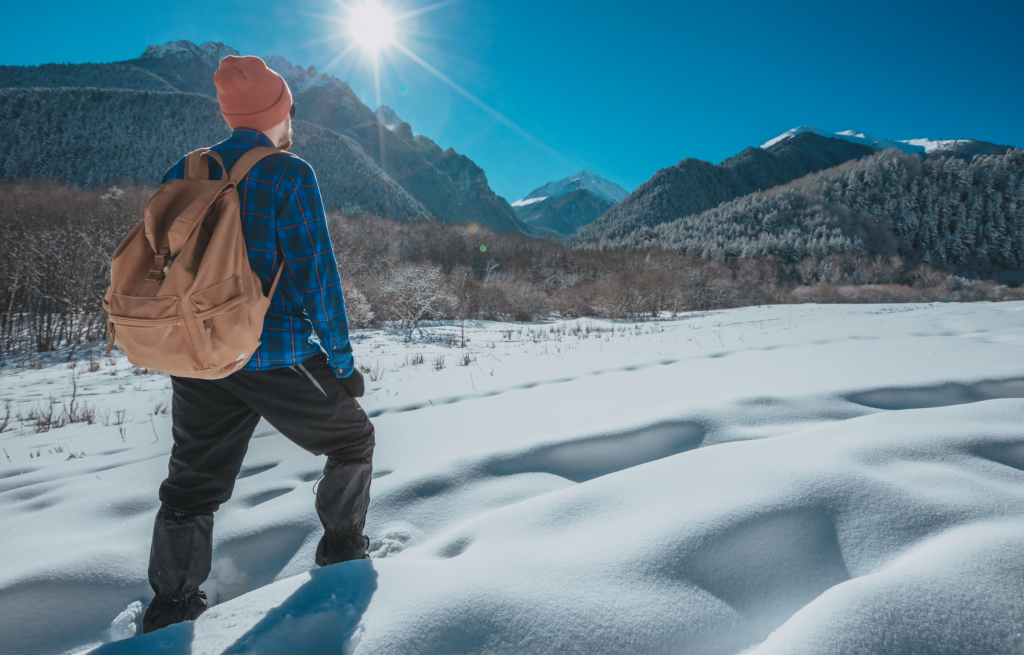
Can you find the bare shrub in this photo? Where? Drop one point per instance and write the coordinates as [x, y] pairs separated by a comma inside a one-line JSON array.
[[807, 271], [615, 301], [513, 301], [703, 291], [881, 270], [867, 293], [410, 293], [924, 276], [56, 242], [375, 373], [357, 307], [576, 301], [44, 417]]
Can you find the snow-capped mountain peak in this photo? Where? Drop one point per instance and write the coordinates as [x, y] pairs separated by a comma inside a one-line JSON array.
[[910, 146], [388, 118], [522, 202], [588, 180], [210, 52], [299, 79], [931, 146]]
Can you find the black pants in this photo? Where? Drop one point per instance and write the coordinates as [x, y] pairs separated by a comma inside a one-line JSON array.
[[213, 422]]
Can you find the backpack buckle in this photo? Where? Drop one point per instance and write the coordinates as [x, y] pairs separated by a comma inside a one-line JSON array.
[[161, 264]]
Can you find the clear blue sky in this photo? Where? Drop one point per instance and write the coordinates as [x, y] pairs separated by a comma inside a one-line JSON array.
[[620, 88]]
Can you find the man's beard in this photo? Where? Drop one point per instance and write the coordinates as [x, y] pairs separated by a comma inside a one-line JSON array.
[[287, 141]]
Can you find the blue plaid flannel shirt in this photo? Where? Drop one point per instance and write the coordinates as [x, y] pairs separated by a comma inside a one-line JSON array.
[[282, 214]]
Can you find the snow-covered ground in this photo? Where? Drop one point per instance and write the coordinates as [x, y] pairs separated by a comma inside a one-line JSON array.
[[797, 479]]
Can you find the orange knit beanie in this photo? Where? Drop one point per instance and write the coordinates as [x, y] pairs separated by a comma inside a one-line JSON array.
[[250, 94]]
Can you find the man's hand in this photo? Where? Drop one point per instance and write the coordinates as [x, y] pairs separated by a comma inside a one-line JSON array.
[[354, 384]]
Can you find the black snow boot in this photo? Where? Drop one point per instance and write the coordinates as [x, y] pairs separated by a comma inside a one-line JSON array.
[[164, 611], [334, 548], [179, 562], [342, 497]]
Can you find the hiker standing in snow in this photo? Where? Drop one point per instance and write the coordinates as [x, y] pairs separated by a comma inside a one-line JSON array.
[[301, 378]]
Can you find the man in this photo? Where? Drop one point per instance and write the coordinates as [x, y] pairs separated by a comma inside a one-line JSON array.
[[301, 379]]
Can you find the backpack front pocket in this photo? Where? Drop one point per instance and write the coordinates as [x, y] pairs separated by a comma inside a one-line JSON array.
[[152, 333], [227, 338]]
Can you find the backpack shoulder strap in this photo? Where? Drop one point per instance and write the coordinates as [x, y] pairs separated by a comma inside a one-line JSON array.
[[277, 278], [183, 226], [238, 173], [248, 160], [194, 169]]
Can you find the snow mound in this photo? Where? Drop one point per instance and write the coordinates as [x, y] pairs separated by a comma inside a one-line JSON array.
[[124, 624]]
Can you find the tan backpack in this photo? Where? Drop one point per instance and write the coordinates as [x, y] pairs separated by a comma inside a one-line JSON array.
[[182, 298]]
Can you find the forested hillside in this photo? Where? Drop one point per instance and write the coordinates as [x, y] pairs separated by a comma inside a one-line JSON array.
[[450, 188], [939, 210], [104, 76], [692, 185], [100, 137]]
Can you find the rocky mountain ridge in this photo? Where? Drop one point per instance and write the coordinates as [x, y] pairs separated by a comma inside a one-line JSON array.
[[693, 186]]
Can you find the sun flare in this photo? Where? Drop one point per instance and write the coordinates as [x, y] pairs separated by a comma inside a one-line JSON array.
[[372, 35], [371, 26]]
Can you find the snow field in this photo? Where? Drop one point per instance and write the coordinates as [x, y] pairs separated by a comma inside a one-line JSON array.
[[797, 479]]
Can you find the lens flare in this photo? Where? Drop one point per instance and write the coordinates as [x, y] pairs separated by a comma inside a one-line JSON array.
[[483, 248], [375, 34], [371, 26]]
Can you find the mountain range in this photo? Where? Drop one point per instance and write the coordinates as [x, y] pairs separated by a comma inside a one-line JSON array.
[[943, 211], [400, 176], [693, 186], [805, 193], [965, 148]]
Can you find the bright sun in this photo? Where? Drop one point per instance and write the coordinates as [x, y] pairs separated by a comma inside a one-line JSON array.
[[371, 26]]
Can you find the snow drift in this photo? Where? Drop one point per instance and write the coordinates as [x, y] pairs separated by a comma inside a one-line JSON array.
[[796, 479]]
